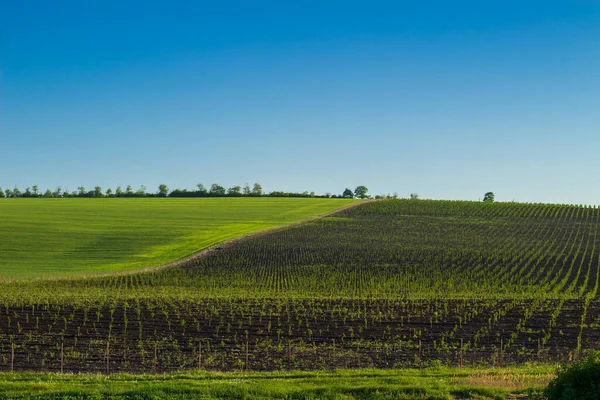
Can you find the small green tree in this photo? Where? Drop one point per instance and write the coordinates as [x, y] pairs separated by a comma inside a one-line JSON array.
[[361, 192], [414, 196], [246, 190], [1, 193], [217, 190], [348, 194], [234, 191], [163, 190], [98, 191], [257, 190], [489, 197], [202, 190], [36, 191]]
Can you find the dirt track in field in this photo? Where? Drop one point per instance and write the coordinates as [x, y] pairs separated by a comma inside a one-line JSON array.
[[218, 246]]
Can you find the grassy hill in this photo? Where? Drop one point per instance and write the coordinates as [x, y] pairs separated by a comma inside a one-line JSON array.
[[60, 237]]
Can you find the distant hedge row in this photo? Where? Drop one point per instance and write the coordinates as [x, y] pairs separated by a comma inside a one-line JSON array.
[[215, 190]]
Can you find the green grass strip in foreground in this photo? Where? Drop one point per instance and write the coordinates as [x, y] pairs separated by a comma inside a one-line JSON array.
[[69, 237], [433, 383]]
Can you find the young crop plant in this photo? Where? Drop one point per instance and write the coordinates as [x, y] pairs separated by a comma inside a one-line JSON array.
[[386, 284]]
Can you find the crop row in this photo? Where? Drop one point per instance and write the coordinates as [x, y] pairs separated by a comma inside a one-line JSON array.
[[385, 284], [372, 333]]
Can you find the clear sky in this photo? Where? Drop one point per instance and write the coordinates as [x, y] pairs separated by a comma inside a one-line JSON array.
[[448, 99]]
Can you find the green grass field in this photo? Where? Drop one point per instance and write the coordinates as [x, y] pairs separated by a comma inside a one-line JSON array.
[[61, 237], [436, 383]]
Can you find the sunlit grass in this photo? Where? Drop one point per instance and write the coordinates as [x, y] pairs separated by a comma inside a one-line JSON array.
[[59, 237], [438, 383]]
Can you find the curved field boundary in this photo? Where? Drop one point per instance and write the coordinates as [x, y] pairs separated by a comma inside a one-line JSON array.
[[218, 246]]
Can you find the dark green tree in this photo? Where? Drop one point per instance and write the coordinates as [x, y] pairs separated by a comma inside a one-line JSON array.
[[163, 190], [348, 193], [234, 191], [246, 190], [257, 190], [217, 190], [361, 192], [489, 197], [98, 191], [202, 190]]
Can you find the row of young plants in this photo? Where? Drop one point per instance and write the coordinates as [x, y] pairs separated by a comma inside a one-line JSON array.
[[276, 334], [388, 283]]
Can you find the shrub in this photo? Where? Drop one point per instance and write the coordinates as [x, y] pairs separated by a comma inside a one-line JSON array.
[[578, 381]]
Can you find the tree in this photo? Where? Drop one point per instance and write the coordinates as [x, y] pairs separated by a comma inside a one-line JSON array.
[[217, 190], [118, 192], [257, 190], [27, 192], [16, 192], [489, 197], [129, 191], [48, 193], [202, 190], [414, 196], [57, 193], [1, 193], [348, 194], [109, 192], [141, 192], [36, 191], [163, 190], [361, 192], [247, 190], [81, 191], [234, 191], [98, 191]]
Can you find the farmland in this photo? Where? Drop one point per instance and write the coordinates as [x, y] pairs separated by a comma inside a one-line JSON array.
[[61, 237], [387, 284]]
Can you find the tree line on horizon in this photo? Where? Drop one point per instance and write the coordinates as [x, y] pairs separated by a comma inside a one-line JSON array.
[[215, 190]]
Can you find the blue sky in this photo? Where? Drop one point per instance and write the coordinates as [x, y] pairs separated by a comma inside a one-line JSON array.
[[446, 99]]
